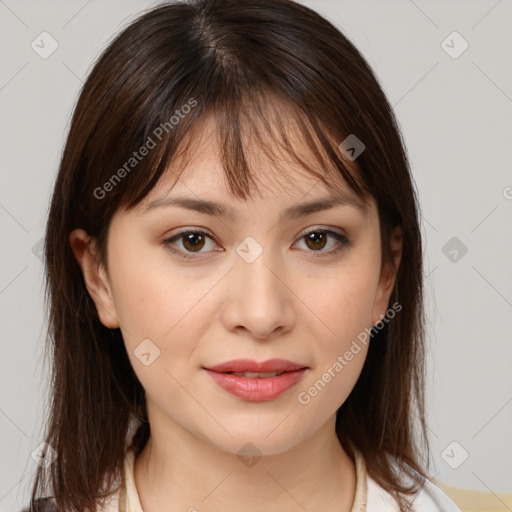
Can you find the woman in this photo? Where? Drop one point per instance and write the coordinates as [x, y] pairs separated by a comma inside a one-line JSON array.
[[234, 276]]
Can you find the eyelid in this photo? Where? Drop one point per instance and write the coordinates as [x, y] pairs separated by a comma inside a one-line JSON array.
[[319, 227]]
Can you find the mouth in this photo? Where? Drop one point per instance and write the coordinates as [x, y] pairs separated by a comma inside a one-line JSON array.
[[257, 386]]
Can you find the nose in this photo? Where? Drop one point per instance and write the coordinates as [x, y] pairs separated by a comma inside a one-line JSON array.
[[258, 298]]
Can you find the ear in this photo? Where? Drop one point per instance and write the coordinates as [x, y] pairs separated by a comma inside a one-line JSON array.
[[95, 276], [388, 276]]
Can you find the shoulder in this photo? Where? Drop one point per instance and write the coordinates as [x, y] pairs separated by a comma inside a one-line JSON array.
[[429, 499]]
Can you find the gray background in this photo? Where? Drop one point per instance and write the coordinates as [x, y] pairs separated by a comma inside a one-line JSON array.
[[455, 114]]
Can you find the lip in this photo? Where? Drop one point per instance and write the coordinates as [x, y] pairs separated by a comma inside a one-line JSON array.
[[248, 365], [255, 389]]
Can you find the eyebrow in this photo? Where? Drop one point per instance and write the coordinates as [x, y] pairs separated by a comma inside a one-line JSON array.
[[217, 209]]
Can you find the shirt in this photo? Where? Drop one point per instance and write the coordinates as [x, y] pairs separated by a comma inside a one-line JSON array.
[[369, 496]]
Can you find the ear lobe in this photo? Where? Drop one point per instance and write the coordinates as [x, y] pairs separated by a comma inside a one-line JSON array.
[[388, 276], [95, 277]]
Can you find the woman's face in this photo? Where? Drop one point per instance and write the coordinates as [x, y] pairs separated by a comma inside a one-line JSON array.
[[246, 285]]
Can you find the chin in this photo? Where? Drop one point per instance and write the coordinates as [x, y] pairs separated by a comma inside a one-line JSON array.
[[252, 442]]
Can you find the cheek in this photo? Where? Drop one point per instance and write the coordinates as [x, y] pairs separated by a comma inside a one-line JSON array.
[[156, 301], [160, 316], [342, 299]]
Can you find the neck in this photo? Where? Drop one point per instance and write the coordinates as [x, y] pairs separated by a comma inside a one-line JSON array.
[[178, 471]]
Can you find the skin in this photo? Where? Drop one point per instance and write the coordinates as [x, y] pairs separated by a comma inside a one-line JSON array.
[[288, 303]]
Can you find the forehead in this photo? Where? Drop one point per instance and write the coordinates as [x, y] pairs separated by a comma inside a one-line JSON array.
[[197, 171]]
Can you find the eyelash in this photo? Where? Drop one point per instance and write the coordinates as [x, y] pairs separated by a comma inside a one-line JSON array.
[[343, 242]]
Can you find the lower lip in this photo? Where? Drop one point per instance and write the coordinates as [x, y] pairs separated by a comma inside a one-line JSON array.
[[254, 389]]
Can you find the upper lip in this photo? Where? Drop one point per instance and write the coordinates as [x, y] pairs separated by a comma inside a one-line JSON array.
[[248, 365]]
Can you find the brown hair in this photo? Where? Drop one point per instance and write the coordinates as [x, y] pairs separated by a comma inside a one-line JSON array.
[[242, 62]]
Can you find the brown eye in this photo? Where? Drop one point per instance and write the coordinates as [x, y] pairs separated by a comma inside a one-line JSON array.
[[193, 241], [316, 240]]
